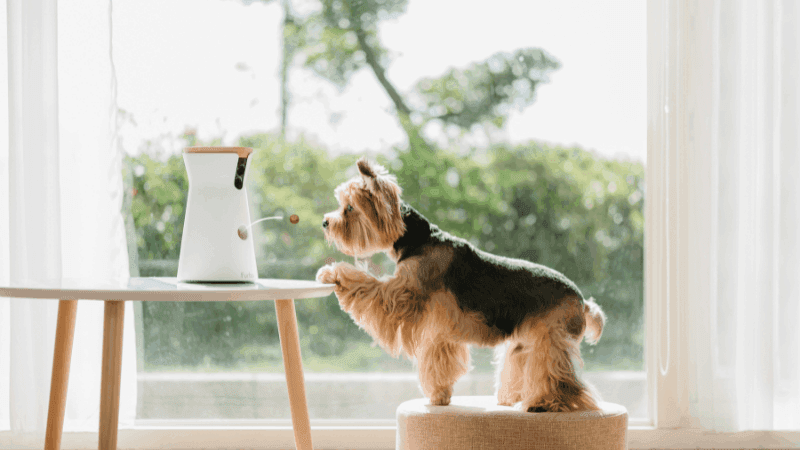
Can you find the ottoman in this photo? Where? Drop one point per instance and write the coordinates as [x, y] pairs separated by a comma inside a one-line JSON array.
[[477, 422]]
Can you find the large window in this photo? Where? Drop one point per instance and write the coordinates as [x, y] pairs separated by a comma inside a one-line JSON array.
[[518, 126]]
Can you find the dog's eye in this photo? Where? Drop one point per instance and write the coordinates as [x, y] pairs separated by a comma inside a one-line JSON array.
[[349, 208]]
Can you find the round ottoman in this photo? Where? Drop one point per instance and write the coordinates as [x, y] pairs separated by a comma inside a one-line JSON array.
[[478, 422]]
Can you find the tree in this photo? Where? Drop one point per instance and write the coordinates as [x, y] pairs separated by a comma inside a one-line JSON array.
[[342, 38], [485, 92], [291, 42]]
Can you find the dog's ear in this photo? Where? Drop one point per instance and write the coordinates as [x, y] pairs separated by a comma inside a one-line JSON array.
[[370, 172], [365, 168], [378, 180]]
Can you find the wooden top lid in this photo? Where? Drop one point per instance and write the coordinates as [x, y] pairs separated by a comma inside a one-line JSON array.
[[243, 152]]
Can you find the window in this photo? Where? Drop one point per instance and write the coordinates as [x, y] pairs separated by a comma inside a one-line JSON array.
[[548, 166], [490, 167]]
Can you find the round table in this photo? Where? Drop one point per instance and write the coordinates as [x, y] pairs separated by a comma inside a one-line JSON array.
[[115, 293]]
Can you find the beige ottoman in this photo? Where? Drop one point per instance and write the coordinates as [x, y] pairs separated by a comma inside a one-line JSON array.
[[479, 423]]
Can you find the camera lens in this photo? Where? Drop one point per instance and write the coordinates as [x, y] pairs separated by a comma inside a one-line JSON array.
[[238, 181]]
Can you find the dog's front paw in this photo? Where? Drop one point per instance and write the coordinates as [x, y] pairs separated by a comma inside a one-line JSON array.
[[508, 399], [328, 274], [346, 277], [337, 273]]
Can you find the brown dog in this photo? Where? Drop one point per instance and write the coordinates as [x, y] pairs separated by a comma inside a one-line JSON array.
[[446, 295]]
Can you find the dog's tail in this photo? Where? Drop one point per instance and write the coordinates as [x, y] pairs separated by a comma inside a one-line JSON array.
[[595, 320]]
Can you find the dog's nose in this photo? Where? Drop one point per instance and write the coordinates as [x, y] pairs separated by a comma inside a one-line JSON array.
[[325, 223]]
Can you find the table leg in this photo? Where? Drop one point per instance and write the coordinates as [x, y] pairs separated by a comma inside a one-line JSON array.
[[62, 353], [293, 366], [111, 374]]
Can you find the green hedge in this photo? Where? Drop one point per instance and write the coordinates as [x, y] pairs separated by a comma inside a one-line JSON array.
[[563, 207]]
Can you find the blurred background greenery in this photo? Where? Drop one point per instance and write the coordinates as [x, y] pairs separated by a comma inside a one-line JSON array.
[[566, 208], [562, 207]]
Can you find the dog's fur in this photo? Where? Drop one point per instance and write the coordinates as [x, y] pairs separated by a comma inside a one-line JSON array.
[[446, 294]]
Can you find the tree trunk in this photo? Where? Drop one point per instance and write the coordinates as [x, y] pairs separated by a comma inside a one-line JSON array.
[[380, 73], [416, 141], [287, 55]]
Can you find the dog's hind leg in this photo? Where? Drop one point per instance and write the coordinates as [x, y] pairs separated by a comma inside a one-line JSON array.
[[509, 373], [550, 382], [441, 364]]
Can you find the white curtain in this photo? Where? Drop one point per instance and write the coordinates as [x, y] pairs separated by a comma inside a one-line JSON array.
[[60, 209], [727, 114]]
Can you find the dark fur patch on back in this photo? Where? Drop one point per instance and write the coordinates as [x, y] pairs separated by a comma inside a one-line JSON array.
[[504, 290]]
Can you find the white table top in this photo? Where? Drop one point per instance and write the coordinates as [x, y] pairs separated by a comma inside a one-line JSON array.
[[168, 290]]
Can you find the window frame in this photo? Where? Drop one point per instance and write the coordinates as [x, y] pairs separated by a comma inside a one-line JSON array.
[[353, 434], [669, 425], [235, 434]]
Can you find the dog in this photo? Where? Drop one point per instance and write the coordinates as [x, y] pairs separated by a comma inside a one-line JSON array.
[[446, 295]]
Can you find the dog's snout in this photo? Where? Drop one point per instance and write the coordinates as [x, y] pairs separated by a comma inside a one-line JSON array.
[[325, 223]]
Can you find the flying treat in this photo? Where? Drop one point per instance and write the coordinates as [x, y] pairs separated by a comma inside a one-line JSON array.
[[294, 219]]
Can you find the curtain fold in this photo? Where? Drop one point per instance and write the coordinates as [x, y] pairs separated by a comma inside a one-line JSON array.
[[5, 269], [61, 197], [733, 74]]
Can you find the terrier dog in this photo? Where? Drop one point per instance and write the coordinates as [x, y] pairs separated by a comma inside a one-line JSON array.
[[446, 294]]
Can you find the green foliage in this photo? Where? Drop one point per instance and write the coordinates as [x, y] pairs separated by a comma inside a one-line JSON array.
[[332, 53], [562, 207], [330, 36], [582, 215], [360, 14], [341, 38], [486, 91], [158, 204]]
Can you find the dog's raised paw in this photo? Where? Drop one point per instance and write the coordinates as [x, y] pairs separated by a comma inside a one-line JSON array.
[[327, 275]]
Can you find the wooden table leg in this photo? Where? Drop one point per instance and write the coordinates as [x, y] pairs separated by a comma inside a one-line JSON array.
[[293, 366], [111, 374], [62, 354]]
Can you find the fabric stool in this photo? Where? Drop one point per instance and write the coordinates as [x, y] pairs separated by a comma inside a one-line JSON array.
[[478, 422]]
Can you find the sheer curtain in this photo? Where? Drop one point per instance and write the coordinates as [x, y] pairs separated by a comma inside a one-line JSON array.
[[60, 209], [724, 115]]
